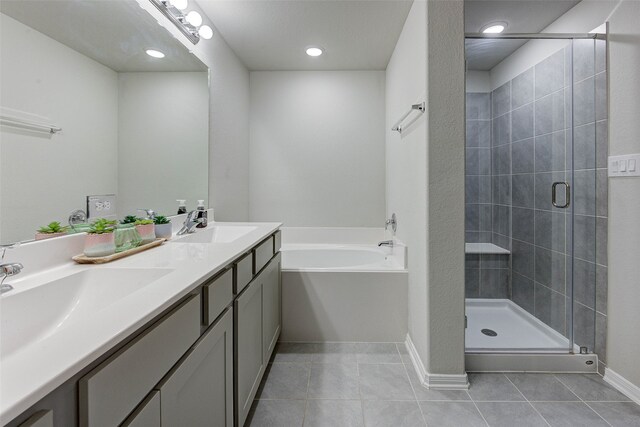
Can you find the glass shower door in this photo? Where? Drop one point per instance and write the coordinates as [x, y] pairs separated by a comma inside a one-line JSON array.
[[530, 191]]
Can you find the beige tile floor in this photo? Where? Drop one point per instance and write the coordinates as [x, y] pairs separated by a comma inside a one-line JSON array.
[[337, 385]]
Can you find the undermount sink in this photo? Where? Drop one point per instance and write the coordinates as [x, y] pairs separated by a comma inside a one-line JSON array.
[[217, 234], [35, 314]]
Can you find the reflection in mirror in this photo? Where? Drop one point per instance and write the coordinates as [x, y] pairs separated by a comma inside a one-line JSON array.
[[132, 125]]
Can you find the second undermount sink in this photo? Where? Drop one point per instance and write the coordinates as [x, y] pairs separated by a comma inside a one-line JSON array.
[[217, 234], [37, 313]]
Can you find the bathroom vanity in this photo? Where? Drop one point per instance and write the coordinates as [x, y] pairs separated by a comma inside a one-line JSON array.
[[197, 360]]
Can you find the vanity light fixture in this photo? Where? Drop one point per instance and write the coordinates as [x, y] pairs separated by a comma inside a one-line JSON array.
[[189, 23], [494, 28], [155, 53], [314, 51]]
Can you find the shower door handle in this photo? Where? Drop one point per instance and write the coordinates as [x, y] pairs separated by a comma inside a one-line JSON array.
[[567, 194]]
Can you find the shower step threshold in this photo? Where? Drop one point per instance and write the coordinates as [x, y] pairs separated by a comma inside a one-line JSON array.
[[485, 248]]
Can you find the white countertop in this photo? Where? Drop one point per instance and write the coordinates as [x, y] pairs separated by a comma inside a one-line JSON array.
[[30, 373]]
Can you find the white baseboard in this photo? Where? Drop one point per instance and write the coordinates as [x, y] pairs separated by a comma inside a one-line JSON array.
[[622, 384], [434, 381]]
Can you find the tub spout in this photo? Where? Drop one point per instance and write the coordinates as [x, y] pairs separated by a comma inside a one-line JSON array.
[[388, 243]]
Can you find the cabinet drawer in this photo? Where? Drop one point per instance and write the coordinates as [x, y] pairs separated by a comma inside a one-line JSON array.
[[113, 389], [277, 241], [244, 272], [147, 414], [262, 254], [217, 295], [39, 419]]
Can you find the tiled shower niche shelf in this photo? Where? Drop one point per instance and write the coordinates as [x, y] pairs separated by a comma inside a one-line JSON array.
[[485, 248]]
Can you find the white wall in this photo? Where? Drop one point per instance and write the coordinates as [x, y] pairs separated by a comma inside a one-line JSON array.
[[154, 147], [623, 338], [229, 119], [41, 76], [317, 148], [406, 160], [425, 172]]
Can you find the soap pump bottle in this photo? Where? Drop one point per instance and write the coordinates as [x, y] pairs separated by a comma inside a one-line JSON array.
[[182, 207], [202, 214]]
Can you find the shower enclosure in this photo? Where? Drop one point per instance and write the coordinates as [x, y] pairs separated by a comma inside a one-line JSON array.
[[536, 201]]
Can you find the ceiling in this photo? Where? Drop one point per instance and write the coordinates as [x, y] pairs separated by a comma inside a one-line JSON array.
[[273, 34], [521, 16], [115, 33]]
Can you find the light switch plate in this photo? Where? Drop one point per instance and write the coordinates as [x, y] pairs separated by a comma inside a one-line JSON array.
[[102, 206], [627, 165]]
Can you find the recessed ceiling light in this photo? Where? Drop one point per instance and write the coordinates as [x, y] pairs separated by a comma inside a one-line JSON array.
[[155, 53], [314, 51], [494, 28]]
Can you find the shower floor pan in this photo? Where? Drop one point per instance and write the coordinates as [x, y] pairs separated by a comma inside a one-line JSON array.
[[500, 325]]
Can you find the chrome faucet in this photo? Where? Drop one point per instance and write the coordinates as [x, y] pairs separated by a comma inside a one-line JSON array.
[[150, 213], [388, 243], [8, 270], [190, 223], [393, 222]]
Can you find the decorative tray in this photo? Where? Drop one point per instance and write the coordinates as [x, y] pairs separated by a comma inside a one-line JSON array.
[[83, 259]]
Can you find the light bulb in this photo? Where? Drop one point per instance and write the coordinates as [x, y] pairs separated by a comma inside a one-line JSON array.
[[205, 32], [194, 18], [179, 4]]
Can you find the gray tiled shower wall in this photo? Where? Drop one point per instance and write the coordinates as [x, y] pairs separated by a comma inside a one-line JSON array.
[[487, 276], [529, 148]]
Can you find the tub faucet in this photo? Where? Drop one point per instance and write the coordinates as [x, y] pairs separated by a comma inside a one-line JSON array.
[[190, 223], [8, 270], [388, 243]]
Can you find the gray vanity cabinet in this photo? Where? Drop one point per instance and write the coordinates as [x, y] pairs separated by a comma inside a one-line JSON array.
[[257, 312], [199, 389]]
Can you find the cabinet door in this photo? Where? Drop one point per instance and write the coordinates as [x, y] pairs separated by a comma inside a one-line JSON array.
[[39, 419], [198, 391], [271, 291], [147, 414], [249, 349]]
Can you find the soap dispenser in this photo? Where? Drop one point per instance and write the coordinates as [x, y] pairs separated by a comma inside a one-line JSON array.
[[182, 206], [202, 214]]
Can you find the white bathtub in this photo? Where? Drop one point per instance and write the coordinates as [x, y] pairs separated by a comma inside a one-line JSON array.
[[341, 257], [340, 292]]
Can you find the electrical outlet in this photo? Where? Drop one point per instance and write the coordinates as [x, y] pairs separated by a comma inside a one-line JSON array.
[[102, 206]]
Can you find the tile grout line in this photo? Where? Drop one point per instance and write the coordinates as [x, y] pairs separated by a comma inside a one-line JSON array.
[[406, 371], [527, 400], [581, 400]]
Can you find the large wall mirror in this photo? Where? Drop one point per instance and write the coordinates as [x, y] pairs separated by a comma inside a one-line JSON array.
[[132, 125]]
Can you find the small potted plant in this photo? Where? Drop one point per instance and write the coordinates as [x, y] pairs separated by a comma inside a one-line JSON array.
[[54, 229], [163, 226], [147, 230], [126, 234], [100, 239]]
